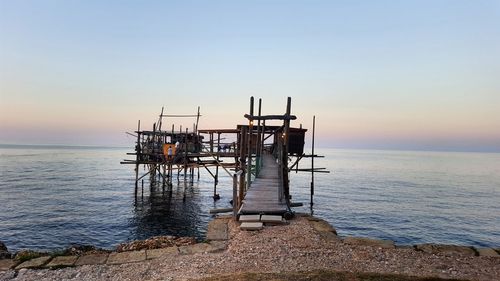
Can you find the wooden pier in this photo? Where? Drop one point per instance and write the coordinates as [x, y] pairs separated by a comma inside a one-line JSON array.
[[264, 197], [257, 156]]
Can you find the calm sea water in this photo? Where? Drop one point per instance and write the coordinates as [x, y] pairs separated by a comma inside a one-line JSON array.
[[52, 197]]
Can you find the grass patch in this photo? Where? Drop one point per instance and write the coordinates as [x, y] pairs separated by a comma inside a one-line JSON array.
[[321, 275]]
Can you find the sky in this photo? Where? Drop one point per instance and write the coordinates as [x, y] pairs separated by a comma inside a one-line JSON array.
[[420, 75]]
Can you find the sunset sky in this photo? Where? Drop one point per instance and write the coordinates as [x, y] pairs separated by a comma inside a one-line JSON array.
[[377, 74]]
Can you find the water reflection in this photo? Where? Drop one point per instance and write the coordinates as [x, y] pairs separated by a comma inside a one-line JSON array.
[[168, 211]]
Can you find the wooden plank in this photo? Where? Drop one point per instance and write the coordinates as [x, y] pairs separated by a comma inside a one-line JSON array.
[[262, 197], [271, 117]]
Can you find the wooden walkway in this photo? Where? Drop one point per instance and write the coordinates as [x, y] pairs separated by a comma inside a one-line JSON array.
[[263, 195]]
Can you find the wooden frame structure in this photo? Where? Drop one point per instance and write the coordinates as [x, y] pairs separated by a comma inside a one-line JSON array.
[[161, 152]]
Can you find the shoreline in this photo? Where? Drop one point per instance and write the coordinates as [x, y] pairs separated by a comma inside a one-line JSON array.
[[350, 238], [305, 244]]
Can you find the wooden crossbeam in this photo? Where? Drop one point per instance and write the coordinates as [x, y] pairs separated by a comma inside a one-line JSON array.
[[270, 117]]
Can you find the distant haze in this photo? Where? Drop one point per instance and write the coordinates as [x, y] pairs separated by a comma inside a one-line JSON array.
[[420, 75]]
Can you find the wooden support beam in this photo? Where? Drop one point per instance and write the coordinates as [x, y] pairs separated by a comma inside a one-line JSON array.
[[270, 117], [249, 147]]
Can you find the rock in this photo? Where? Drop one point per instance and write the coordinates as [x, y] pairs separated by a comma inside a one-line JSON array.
[[62, 261], [34, 263], [217, 229], [445, 249], [218, 246], [330, 236], [309, 217], [126, 257], [362, 241], [6, 264], [487, 252], [25, 255], [78, 250], [157, 242], [322, 226], [2, 246], [4, 252], [5, 255], [162, 253], [92, 259]]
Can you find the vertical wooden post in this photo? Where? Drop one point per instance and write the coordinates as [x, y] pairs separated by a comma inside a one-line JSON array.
[[241, 190], [138, 157], [185, 155], [312, 161], [257, 144], [161, 119], [211, 142], [249, 146], [197, 120], [163, 176], [262, 138], [235, 196], [284, 168], [216, 178], [169, 177]]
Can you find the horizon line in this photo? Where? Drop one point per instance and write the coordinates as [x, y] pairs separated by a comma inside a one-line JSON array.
[[90, 146]]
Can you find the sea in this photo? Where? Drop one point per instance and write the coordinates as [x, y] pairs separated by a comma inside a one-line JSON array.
[[52, 197]]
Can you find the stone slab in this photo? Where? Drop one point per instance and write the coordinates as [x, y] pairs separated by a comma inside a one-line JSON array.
[[196, 248], [251, 226], [161, 253], [487, 252], [34, 263], [6, 264], [273, 220], [218, 246], [310, 218], [249, 218], [362, 241], [62, 261], [329, 236], [445, 249], [217, 229], [126, 257], [92, 259], [322, 226]]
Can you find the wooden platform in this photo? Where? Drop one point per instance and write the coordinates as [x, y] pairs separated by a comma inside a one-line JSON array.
[[262, 197]]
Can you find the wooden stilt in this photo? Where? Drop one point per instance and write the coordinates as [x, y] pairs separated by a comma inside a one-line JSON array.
[[312, 162], [216, 178], [249, 147], [242, 146]]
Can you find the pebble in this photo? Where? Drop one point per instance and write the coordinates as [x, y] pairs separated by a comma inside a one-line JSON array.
[[293, 247]]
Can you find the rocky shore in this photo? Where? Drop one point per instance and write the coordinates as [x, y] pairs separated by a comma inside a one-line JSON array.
[[305, 245]]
